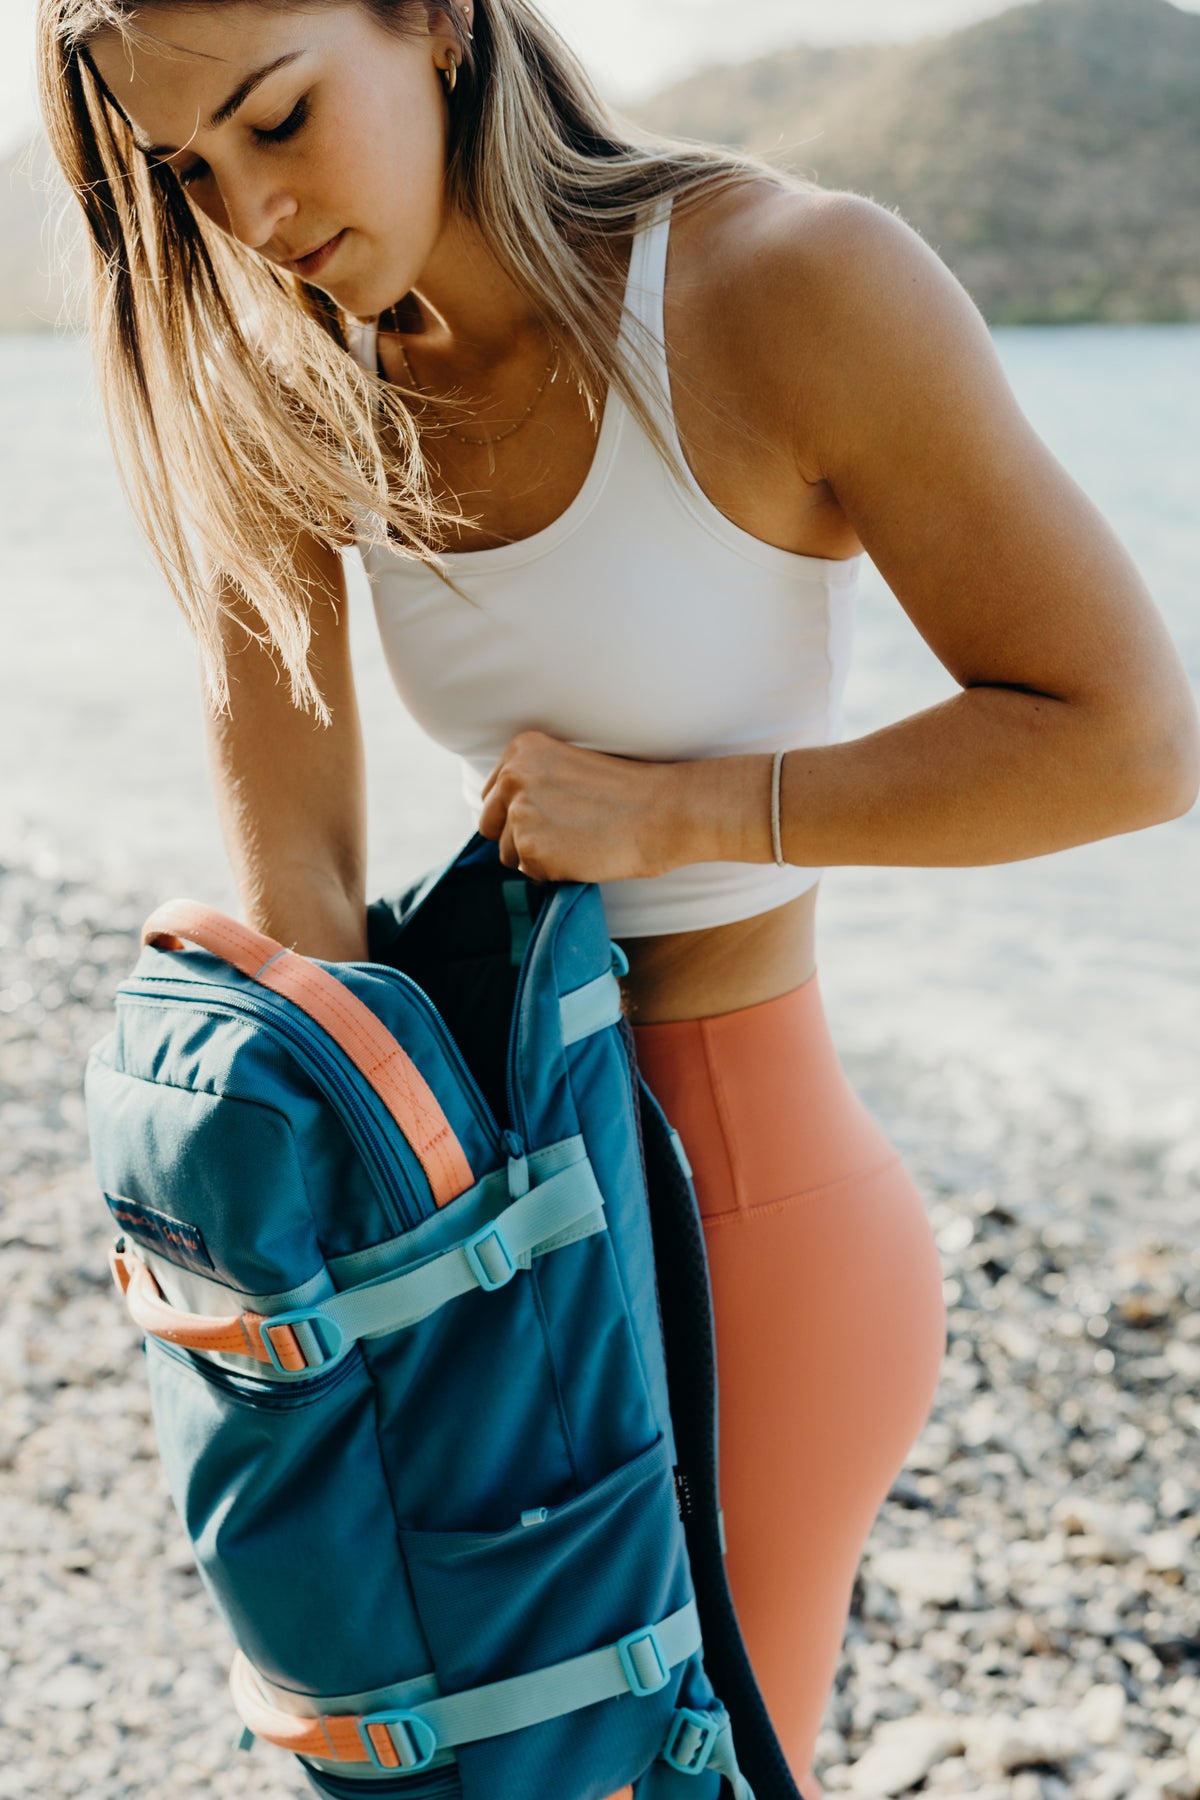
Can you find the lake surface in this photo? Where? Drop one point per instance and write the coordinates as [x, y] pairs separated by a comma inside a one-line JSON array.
[[1058, 997]]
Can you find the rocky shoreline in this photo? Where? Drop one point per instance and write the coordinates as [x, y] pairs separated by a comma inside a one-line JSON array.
[[1027, 1620]]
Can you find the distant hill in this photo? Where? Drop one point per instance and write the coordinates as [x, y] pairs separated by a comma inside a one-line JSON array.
[[1051, 154]]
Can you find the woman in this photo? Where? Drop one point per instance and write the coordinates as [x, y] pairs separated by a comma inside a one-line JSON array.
[[615, 418]]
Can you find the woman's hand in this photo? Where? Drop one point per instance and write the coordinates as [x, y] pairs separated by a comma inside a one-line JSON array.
[[565, 814]]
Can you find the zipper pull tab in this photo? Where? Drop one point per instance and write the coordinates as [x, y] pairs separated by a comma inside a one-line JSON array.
[[518, 1166]]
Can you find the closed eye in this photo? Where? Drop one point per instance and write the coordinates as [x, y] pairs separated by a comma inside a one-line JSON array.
[[279, 134], [275, 134]]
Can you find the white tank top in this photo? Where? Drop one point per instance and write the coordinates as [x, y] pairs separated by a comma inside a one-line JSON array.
[[642, 623]]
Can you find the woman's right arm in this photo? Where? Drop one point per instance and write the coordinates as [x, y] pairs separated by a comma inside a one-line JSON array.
[[291, 793]]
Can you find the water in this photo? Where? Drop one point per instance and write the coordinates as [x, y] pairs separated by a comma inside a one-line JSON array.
[[1049, 1005]]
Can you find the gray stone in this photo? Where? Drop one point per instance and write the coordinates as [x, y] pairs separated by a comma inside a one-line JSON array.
[[927, 1577], [1101, 1713], [1114, 1777], [72, 1689], [903, 1754], [1003, 1745]]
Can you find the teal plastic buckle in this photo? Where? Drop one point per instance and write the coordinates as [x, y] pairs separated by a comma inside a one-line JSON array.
[[501, 1265], [412, 1738], [684, 1749], [636, 1649], [324, 1333]]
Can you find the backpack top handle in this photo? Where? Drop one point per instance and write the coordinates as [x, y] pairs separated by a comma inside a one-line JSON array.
[[330, 1004]]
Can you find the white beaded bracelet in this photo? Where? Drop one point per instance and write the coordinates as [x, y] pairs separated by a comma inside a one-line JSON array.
[[776, 834]]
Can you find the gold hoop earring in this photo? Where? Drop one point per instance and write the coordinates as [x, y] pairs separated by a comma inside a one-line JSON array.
[[450, 75]]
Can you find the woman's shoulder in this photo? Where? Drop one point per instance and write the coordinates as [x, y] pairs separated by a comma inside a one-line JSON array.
[[805, 297], [764, 243]]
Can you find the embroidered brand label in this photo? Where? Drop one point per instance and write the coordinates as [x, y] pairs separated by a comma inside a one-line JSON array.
[[183, 1244]]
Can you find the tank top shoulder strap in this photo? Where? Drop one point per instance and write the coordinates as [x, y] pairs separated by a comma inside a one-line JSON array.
[[642, 326]]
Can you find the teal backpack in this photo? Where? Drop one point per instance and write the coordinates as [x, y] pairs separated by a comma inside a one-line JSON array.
[[430, 1348]]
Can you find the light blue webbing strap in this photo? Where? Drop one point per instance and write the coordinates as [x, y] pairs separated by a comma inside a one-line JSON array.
[[704, 1740], [589, 1009], [488, 1259], [640, 1663], [724, 1759], [422, 1733]]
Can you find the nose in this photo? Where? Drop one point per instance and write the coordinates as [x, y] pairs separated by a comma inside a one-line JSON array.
[[254, 212]]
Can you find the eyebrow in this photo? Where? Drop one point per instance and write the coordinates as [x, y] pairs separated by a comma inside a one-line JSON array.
[[228, 107]]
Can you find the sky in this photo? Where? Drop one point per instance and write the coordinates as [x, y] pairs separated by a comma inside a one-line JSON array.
[[631, 46]]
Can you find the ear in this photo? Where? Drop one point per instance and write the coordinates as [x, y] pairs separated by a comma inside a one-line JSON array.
[[453, 23]]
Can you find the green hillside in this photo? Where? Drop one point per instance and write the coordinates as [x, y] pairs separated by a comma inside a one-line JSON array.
[[1051, 154]]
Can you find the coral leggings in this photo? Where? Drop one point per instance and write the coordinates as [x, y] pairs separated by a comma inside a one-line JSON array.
[[830, 1324]]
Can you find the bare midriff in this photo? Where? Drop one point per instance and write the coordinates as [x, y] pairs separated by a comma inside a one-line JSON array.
[[693, 974]]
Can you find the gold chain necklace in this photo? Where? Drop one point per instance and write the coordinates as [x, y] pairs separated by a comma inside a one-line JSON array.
[[489, 443]]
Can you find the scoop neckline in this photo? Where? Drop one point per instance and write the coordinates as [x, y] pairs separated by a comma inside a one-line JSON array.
[[837, 571], [526, 548]]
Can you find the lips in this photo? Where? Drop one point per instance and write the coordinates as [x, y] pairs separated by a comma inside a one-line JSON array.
[[310, 265]]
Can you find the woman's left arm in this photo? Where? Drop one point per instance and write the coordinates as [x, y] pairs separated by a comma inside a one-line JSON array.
[[1075, 719]]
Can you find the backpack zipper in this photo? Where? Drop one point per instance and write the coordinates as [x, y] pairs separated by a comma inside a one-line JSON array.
[[484, 1115], [408, 1196], [516, 1105]]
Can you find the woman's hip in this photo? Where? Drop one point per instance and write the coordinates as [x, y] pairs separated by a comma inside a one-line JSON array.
[[762, 1104]]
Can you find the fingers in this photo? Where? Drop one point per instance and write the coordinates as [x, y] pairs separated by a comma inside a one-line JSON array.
[[510, 856], [507, 809], [491, 822]]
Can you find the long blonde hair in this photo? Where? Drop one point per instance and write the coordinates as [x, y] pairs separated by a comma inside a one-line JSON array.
[[239, 418]]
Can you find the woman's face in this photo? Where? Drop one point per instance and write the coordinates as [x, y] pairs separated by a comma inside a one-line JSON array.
[[331, 163]]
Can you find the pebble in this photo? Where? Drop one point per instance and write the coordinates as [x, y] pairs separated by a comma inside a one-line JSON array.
[[903, 1754], [1000, 1746], [1176, 1782], [1026, 1621], [72, 1690], [1113, 1777], [927, 1577], [1168, 1552], [1101, 1713]]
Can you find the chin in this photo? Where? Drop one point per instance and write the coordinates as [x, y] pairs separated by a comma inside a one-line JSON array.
[[344, 294], [363, 299]]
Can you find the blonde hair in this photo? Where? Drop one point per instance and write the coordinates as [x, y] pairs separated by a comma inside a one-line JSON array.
[[239, 418]]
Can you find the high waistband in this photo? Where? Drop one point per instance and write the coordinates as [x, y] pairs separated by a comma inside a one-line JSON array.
[[761, 1102]]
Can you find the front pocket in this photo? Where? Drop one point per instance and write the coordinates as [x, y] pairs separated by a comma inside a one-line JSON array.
[[499, 1604], [284, 1497]]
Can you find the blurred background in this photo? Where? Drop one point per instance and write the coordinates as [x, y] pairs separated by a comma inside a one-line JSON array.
[[1027, 1034]]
